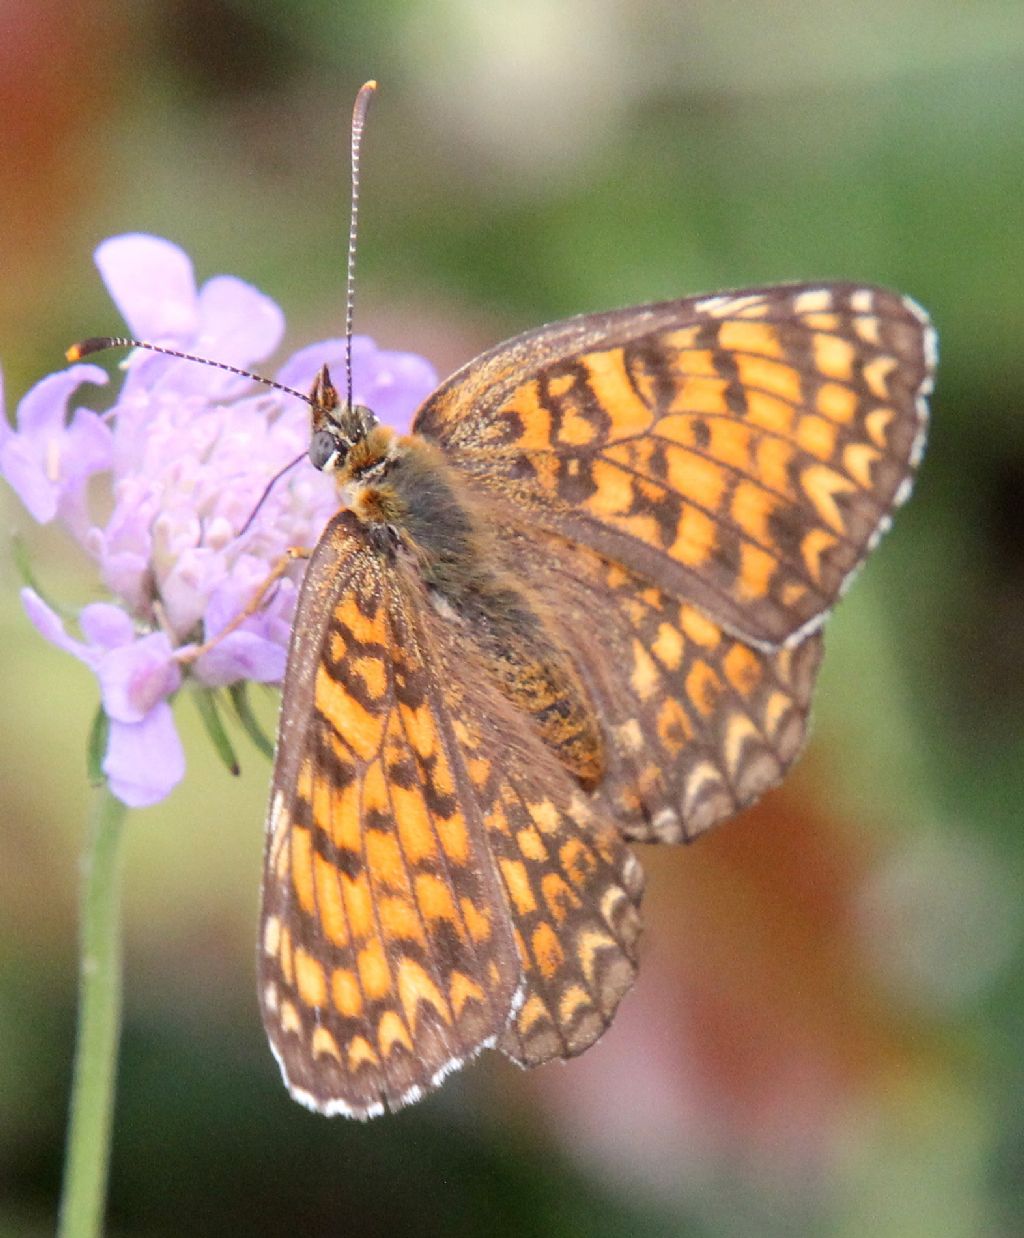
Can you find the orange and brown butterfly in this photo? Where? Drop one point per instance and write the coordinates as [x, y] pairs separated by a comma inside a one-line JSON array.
[[579, 606]]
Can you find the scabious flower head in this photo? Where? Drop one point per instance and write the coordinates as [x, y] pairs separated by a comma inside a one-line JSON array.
[[158, 488]]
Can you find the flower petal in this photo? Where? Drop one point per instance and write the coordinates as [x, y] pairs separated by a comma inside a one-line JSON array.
[[38, 461], [145, 760], [301, 368], [152, 283], [43, 409], [126, 574], [402, 381], [20, 467], [134, 678], [241, 655], [49, 624], [238, 323], [106, 626], [89, 446]]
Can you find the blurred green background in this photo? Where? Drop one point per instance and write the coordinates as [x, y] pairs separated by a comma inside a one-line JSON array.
[[826, 1037]]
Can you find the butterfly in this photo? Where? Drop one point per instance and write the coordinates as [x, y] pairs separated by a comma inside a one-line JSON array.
[[577, 608]]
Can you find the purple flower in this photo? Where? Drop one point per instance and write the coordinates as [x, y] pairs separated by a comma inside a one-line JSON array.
[[185, 452], [137, 674], [46, 461]]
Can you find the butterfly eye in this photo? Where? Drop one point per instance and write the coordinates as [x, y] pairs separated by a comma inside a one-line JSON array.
[[326, 450]]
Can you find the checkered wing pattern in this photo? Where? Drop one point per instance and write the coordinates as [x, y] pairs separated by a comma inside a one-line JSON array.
[[434, 881], [697, 723], [742, 451]]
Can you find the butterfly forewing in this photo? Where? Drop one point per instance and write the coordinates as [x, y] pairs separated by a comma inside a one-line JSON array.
[[387, 957], [431, 871], [742, 451]]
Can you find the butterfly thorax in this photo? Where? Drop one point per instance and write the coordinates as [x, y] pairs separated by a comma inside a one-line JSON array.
[[404, 485]]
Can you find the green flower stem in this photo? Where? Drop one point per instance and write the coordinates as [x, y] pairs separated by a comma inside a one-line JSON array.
[[99, 1026]]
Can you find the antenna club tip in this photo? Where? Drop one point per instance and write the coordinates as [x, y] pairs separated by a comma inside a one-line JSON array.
[[361, 106], [84, 347]]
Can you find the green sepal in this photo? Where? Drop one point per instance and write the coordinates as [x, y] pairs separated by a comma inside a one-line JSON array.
[[96, 747], [210, 715], [239, 694]]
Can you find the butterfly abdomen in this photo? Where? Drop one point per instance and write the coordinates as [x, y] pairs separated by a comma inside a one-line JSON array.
[[451, 544], [536, 673]]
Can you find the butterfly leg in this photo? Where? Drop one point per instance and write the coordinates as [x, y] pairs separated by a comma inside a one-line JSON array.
[[282, 565]]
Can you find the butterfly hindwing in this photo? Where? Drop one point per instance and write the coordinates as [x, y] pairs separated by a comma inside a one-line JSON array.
[[572, 885], [697, 723], [743, 451]]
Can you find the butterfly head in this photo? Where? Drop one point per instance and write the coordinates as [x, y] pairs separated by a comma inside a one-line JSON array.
[[338, 430]]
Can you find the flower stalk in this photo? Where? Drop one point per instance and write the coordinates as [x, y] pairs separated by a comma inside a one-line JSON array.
[[99, 1025]]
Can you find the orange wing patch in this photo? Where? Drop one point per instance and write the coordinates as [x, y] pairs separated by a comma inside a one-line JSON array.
[[744, 451]]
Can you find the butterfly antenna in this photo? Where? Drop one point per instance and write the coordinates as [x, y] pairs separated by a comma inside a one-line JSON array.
[[362, 103], [100, 343]]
